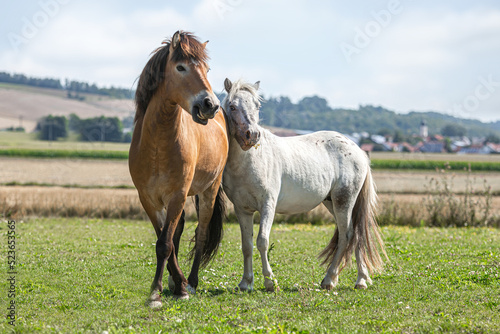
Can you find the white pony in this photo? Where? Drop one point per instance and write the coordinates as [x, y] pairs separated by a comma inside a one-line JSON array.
[[271, 174]]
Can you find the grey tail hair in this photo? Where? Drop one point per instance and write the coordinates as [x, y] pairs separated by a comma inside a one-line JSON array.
[[366, 236]]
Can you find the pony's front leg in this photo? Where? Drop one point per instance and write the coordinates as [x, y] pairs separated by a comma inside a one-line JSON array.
[[266, 222], [245, 220]]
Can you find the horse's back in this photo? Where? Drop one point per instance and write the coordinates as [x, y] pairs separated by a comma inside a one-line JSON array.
[[316, 165]]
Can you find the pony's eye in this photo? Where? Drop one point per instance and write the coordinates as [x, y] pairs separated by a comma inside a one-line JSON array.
[[232, 108], [180, 68]]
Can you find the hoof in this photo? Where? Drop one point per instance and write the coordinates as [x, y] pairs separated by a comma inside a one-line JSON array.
[[154, 304], [182, 296], [360, 286], [191, 290], [271, 285], [154, 300], [243, 289], [327, 286], [245, 286]]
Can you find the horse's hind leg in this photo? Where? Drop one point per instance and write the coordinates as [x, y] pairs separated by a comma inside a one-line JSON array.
[[266, 221], [363, 275], [245, 220], [209, 231], [337, 249]]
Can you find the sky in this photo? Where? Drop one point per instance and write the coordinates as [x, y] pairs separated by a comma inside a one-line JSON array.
[[404, 55]]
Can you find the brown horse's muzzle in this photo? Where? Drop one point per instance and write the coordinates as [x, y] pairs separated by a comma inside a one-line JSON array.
[[205, 108]]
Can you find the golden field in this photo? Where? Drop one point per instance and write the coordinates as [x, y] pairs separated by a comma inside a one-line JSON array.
[[102, 189], [107, 173]]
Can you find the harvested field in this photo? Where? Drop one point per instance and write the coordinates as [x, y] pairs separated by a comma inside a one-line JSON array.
[[124, 203], [107, 173]]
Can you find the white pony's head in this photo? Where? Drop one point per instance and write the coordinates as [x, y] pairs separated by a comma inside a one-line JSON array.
[[242, 105]]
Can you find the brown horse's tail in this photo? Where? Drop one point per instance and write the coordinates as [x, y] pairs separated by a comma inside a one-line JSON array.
[[215, 228], [366, 234]]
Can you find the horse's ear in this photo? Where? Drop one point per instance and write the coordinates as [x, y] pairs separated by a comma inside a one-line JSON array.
[[227, 85], [256, 85], [176, 40], [205, 44]]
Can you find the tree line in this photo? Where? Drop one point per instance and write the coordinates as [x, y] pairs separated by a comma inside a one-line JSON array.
[[96, 129], [74, 89], [313, 113]]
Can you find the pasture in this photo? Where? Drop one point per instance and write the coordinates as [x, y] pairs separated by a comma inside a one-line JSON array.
[[92, 275]]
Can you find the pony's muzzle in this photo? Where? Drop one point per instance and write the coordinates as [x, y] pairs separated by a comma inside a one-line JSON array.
[[250, 138]]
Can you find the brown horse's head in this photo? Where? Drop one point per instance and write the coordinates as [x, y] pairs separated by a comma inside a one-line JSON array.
[[180, 67]]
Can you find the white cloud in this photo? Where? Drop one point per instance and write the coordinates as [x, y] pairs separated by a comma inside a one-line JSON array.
[[427, 58]]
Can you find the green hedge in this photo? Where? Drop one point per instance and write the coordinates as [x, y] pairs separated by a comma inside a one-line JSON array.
[[433, 164], [83, 154], [375, 163]]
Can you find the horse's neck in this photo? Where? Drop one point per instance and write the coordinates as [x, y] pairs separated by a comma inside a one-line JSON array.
[[162, 122]]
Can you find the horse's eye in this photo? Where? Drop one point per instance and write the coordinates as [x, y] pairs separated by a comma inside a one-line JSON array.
[[232, 108], [181, 68]]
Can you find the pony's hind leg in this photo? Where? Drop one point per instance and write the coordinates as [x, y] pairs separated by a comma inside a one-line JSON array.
[[245, 220], [337, 252], [266, 221], [363, 275]]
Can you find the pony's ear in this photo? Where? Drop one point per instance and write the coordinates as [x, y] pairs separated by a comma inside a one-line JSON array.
[[227, 85], [256, 85], [176, 40], [205, 44]]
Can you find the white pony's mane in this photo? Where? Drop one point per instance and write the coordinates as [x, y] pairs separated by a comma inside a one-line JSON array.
[[242, 85]]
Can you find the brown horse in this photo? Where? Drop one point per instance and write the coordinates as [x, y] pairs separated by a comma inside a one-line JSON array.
[[177, 152]]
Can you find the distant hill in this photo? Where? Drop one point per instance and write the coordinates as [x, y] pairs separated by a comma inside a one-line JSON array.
[[313, 113], [32, 98], [32, 103]]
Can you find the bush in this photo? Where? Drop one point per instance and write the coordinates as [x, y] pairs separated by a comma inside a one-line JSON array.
[[52, 127], [445, 208]]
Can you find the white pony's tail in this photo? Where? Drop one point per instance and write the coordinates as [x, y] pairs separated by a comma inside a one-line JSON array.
[[366, 232]]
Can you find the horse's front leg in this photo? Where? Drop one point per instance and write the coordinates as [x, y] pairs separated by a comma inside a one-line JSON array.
[[209, 231], [165, 250], [266, 222], [177, 237], [245, 220]]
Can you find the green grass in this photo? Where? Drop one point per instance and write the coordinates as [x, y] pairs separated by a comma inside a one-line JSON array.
[[28, 141], [80, 276], [72, 154]]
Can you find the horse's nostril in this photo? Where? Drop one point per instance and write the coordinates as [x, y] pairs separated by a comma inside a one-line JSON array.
[[208, 103], [248, 134]]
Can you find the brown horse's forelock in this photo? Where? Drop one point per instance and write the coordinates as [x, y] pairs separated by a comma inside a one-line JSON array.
[[153, 74]]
